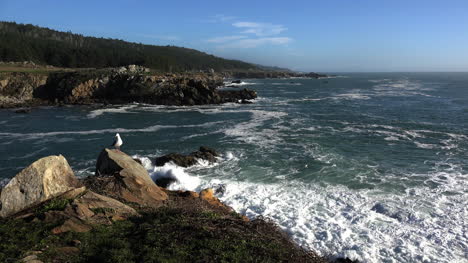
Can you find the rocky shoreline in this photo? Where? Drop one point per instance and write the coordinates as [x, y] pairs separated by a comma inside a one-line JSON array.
[[70, 218], [115, 86], [126, 85]]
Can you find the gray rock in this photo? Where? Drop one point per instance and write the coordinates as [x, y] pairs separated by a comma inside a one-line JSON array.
[[44, 179]]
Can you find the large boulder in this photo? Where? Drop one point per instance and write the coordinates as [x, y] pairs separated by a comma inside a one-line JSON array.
[[119, 176], [44, 179]]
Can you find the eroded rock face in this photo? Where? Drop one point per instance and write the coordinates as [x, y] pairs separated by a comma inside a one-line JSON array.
[[118, 175], [16, 89], [44, 179]]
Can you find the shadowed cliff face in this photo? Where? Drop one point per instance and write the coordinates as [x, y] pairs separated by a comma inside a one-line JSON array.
[[17, 88]]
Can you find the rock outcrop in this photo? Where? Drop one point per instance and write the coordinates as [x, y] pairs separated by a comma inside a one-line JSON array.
[[115, 86], [204, 153], [87, 210], [16, 89], [44, 179], [123, 86], [119, 176]]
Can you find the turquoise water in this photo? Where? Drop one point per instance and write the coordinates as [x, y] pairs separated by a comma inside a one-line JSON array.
[[368, 166]]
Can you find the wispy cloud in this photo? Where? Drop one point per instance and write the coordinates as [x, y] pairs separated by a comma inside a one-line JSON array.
[[260, 29], [256, 42], [225, 39], [249, 34], [220, 18]]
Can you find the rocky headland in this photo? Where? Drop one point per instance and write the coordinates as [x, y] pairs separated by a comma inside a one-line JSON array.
[[121, 215], [29, 85], [115, 86]]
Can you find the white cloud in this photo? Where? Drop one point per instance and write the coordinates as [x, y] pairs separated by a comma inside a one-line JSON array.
[[250, 34], [225, 39], [260, 29], [256, 42], [220, 18]]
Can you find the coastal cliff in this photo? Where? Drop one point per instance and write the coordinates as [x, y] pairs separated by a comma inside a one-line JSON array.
[[115, 86], [121, 215]]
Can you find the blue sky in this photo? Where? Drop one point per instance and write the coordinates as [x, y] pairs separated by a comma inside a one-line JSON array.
[[323, 36]]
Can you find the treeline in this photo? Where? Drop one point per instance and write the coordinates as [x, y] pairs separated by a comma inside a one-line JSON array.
[[19, 42]]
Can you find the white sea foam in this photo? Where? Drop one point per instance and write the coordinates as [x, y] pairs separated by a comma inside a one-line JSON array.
[[425, 223], [250, 132], [28, 155], [351, 96], [286, 84], [399, 87], [122, 109], [243, 83], [154, 128], [183, 181], [370, 226]]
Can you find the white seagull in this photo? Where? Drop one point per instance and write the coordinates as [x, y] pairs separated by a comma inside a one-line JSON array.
[[118, 142]]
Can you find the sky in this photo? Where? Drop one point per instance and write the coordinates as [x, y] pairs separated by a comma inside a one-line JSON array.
[[320, 36]]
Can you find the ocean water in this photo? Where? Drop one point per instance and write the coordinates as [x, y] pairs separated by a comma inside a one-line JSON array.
[[372, 166]]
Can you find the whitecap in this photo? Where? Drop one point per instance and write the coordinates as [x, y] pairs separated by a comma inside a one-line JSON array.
[[182, 180], [124, 109], [154, 128]]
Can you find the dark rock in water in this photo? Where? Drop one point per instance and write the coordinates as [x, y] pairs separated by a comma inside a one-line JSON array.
[[176, 158], [204, 153], [345, 260], [221, 189], [237, 95], [236, 81], [246, 102], [379, 208], [398, 215], [138, 161], [165, 182], [24, 110]]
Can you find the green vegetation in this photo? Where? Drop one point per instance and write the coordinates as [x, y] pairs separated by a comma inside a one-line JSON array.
[[162, 235], [20, 236], [20, 42], [54, 204]]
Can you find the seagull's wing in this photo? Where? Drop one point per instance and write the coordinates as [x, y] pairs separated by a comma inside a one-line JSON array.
[[115, 142]]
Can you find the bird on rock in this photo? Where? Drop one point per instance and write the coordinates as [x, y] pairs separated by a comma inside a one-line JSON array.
[[118, 142]]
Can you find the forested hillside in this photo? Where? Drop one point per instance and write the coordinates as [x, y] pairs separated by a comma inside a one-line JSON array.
[[19, 42]]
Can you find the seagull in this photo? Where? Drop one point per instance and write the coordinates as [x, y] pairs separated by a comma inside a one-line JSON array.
[[118, 142]]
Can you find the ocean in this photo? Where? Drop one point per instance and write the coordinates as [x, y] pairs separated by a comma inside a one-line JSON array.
[[369, 166]]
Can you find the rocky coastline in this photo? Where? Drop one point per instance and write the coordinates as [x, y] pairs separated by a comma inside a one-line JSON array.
[[121, 215], [115, 86], [55, 86]]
